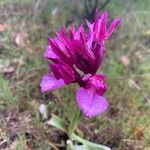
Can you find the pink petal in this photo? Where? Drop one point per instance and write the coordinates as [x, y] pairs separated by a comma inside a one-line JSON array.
[[102, 26], [49, 53], [63, 31], [90, 39], [63, 71], [90, 102], [90, 25], [72, 31], [49, 82], [96, 14], [112, 27], [98, 82], [57, 50], [77, 34]]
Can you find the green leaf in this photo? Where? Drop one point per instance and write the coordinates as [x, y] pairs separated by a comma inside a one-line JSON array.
[[93, 146], [74, 122], [58, 123], [71, 146], [81, 147]]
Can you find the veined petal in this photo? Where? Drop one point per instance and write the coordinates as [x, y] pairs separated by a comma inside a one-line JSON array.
[[99, 52], [102, 26], [90, 25], [89, 54], [112, 27], [63, 71], [72, 31], [77, 34], [49, 53], [90, 103], [96, 19], [57, 49], [49, 82]]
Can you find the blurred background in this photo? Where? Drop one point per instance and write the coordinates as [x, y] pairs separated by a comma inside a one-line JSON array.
[[24, 27]]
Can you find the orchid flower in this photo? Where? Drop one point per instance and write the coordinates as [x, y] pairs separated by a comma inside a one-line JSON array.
[[75, 58]]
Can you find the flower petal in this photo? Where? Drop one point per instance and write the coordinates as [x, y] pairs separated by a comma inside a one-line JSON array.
[[90, 102], [102, 26], [112, 27], [90, 25], [99, 52], [98, 82], [49, 82], [49, 53], [63, 71]]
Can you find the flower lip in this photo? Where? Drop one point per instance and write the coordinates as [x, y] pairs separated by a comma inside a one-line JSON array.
[[90, 102]]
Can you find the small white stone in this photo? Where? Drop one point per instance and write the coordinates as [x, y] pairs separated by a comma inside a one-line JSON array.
[[43, 111]]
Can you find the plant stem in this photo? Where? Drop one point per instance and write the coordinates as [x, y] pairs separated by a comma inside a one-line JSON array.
[[74, 122]]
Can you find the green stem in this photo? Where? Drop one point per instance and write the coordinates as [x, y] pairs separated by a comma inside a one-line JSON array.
[[90, 144], [74, 122]]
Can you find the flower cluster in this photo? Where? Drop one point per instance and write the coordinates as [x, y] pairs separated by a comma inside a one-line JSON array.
[[75, 58]]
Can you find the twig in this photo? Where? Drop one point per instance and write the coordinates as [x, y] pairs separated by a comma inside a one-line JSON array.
[[52, 145]]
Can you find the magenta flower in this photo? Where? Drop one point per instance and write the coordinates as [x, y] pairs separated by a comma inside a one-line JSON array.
[[75, 58]]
